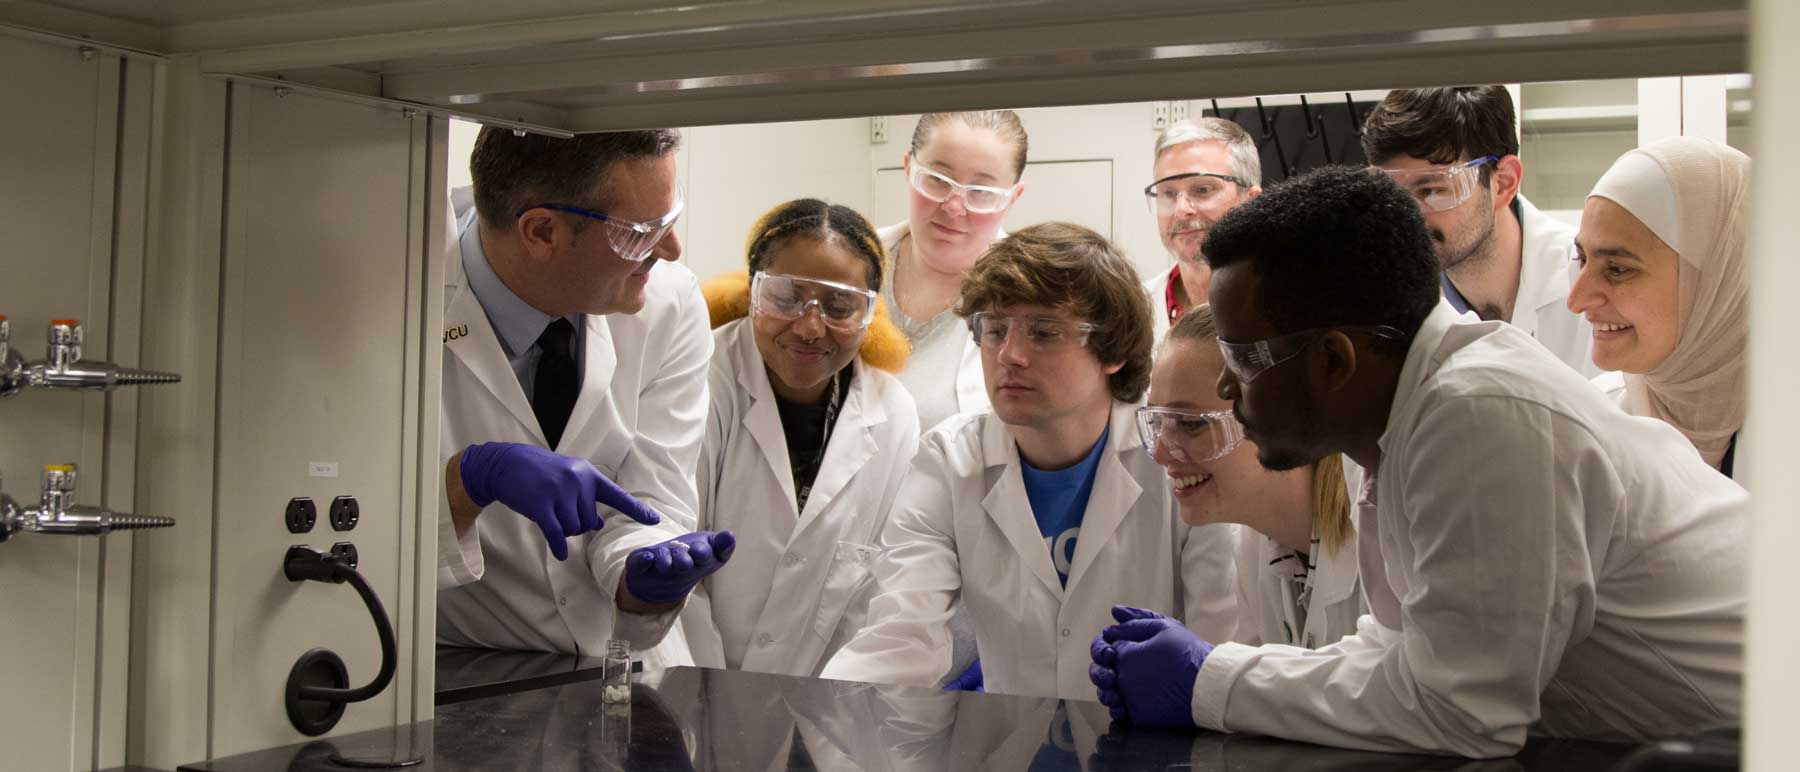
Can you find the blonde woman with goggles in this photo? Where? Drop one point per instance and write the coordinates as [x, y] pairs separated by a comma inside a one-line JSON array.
[[807, 439], [1297, 575], [962, 173]]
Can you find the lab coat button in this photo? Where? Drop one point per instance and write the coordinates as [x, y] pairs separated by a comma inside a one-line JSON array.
[[562, 601], [791, 558], [765, 639], [1065, 632]]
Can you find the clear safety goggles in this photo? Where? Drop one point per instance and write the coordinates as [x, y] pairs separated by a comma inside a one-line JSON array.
[[1248, 360], [1190, 435], [1041, 333], [1440, 188], [1201, 189], [842, 307], [632, 240], [981, 199]]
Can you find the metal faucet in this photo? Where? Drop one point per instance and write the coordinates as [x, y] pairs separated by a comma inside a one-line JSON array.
[[63, 367], [57, 512]]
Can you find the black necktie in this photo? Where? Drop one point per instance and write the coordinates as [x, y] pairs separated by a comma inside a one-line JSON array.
[[557, 381]]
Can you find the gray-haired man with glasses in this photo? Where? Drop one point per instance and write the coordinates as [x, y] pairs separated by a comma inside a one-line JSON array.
[[1046, 512], [1204, 167]]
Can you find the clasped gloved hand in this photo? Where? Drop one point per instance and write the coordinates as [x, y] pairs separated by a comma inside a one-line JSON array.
[[664, 573], [969, 681], [555, 491], [1144, 668]]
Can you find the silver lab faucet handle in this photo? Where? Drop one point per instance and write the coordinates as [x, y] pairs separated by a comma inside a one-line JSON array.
[[14, 371], [57, 512], [65, 343], [9, 514], [63, 367]]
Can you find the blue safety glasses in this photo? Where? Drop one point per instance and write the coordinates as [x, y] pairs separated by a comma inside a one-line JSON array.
[[632, 240]]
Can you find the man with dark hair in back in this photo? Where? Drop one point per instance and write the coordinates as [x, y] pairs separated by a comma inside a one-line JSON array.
[[574, 401], [1456, 150], [1534, 559]]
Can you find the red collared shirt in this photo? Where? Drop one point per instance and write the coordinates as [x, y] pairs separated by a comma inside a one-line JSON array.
[[1172, 296]]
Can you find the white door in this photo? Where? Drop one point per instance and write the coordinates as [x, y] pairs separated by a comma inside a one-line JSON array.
[[76, 136]]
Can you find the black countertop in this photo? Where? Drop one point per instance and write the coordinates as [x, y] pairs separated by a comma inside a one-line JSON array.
[[695, 719]]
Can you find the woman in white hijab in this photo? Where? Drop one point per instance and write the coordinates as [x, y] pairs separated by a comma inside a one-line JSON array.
[[1662, 280]]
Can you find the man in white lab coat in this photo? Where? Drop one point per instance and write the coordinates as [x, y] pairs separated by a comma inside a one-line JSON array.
[[1457, 151], [1203, 167], [1533, 557], [1045, 512], [574, 395]]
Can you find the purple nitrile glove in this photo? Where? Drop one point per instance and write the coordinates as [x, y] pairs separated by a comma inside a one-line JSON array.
[[554, 491], [969, 681], [1144, 668], [665, 572]]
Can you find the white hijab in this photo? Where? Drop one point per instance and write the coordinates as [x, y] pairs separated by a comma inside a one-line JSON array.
[[1690, 193]]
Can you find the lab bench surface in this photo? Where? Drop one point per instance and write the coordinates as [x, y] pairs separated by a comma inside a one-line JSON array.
[[698, 719]]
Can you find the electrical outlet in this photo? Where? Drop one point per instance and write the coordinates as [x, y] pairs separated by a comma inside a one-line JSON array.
[[1159, 116], [878, 127], [1178, 111], [345, 551], [345, 512], [300, 515]]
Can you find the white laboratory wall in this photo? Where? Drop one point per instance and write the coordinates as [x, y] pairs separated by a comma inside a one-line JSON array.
[[297, 282], [321, 304], [1772, 682], [71, 212]]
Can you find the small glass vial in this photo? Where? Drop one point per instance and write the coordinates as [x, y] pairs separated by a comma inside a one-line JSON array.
[[616, 677]]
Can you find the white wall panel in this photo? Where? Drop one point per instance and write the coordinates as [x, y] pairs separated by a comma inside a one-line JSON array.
[[319, 335], [64, 677]]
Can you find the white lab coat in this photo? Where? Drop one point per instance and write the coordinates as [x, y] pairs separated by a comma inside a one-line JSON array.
[[639, 420], [1267, 609], [1545, 275], [962, 525], [797, 585], [1266, 603], [1535, 558]]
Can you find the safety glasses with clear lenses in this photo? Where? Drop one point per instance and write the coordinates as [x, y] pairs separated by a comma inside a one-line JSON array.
[[1199, 188], [632, 240], [1441, 188], [1248, 360], [1041, 333], [1190, 435], [981, 199], [842, 307]]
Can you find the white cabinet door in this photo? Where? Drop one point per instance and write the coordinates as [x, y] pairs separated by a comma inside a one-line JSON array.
[[75, 135]]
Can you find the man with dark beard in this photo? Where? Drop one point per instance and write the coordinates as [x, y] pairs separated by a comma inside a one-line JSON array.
[[1203, 169], [1457, 152]]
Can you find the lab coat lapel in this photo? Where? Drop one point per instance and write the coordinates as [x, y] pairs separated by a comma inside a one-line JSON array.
[[596, 376], [1543, 281], [971, 390], [1115, 494], [1008, 506], [852, 445], [762, 420], [471, 339]]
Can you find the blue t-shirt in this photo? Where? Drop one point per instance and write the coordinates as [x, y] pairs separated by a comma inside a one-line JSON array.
[[1058, 500]]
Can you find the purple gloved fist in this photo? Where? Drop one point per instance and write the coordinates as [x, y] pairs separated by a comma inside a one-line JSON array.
[[666, 572], [1144, 668], [558, 493]]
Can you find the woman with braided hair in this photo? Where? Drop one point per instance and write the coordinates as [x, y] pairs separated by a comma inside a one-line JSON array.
[[808, 438]]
